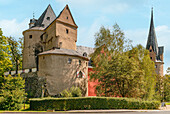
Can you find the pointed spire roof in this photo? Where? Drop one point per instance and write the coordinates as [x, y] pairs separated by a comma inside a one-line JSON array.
[[152, 41], [59, 17], [46, 18]]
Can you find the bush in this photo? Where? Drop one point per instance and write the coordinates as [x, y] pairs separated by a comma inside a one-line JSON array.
[[73, 92], [66, 93], [13, 93], [81, 103]]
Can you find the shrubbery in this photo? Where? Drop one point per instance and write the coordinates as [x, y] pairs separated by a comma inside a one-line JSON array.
[[73, 92], [81, 103], [13, 93]]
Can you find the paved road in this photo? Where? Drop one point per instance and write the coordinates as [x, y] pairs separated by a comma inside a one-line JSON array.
[[152, 112]]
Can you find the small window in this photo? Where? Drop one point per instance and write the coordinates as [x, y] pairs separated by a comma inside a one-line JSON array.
[[79, 62], [80, 75], [155, 66], [67, 17], [150, 50], [48, 18], [67, 31], [151, 58], [30, 36], [42, 25], [69, 60], [85, 54], [60, 45]]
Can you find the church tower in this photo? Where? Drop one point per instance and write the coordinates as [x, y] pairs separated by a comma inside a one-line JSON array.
[[156, 53]]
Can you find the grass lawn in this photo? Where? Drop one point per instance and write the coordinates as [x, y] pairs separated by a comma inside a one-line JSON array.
[[167, 103]]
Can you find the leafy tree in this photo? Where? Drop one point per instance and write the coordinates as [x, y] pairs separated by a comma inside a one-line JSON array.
[[16, 52], [147, 68], [5, 61], [13, 92], [110, 45], [166, 86]]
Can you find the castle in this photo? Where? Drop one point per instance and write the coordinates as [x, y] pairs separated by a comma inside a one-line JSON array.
[[156, 53], [50, 46]]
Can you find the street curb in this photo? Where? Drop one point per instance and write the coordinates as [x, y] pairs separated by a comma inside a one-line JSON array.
[[111, 111]]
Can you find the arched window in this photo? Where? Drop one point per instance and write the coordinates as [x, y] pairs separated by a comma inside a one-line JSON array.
[[85, 54], [80, 75]]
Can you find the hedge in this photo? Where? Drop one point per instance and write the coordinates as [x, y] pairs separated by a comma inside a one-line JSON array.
[[2, 100], [81, 103]]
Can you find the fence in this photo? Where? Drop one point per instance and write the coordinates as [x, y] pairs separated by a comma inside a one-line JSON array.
[[20, 71]]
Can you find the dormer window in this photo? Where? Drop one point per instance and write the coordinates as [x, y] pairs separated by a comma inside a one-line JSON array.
[[48, 18], [85, 54], [67, 31]]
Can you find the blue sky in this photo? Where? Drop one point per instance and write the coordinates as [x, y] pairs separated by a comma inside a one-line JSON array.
[[133, 17]]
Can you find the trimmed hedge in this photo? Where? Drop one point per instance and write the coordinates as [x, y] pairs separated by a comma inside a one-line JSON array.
[[81, 103], [2, 100]]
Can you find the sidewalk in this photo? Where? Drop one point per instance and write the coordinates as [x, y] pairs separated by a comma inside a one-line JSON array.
[[113, 111]]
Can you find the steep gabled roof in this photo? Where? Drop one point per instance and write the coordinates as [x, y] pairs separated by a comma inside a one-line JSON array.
[[46, 18], [152, 41], [66, 8]]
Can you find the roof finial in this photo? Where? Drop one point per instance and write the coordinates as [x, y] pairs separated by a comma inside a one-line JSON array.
[[33, 15]]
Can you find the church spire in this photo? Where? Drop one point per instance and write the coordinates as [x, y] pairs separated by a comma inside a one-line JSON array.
[[152, 41]]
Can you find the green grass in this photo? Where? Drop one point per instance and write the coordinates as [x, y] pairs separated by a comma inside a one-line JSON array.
[[167, 103]]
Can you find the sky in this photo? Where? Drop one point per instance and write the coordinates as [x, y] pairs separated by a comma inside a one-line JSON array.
[[133, 17]]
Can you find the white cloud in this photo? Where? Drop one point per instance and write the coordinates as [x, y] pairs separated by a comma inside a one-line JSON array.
[[13, 28]]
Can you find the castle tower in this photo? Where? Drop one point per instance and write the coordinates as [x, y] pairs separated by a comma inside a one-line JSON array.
[[156, 53], [62, 32], [32, 37]]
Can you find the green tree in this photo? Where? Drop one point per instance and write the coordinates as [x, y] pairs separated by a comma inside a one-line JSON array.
[[166, 86], [16, 52], [13, 92], [5, 61], [110, 45], [147, 68]]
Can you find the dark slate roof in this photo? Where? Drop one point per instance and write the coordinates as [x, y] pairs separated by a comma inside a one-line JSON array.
[[160, 52], [43, 21], [62, 51], [152, 41]]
